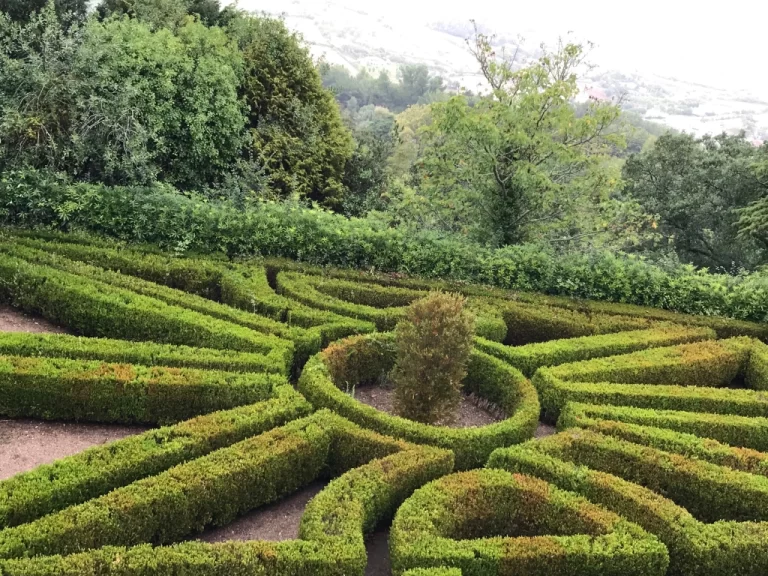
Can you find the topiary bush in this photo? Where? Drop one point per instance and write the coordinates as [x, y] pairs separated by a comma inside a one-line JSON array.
[[433, 344]]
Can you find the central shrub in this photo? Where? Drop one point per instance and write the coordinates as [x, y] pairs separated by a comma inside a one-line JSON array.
[[433, 345]]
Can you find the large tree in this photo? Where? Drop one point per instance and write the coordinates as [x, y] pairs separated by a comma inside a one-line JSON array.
[[520, 164], [697, 186], [23, 10], [295, 125]]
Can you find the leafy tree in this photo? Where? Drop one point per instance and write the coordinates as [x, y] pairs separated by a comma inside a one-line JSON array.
[[521, 165], [165, 13], [22, 10], [433, 345], [697, 186], [296, 129]]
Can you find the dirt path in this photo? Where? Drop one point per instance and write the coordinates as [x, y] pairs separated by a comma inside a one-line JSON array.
[[12, 320]]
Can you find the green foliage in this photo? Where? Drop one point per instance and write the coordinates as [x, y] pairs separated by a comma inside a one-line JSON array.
[[433, 343], [364, 359], [22, 10], [520, 165], [62, 389], [485, 521], [297, 135], [165, 13], [696, 187], [99, 470]]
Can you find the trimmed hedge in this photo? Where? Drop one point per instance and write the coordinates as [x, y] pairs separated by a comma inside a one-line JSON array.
[[89, 390], [724, 548], [126, 352], [363, 359], [689, 445], [93, 308], [687, 377], [751, 433], [491, 522], [215, 488], [199, 284], [530, 357], [98, 470]]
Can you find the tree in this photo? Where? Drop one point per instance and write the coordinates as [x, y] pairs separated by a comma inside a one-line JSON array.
[[295, 125], [521, 165], [165, 13], [23, 10], [697, 186]]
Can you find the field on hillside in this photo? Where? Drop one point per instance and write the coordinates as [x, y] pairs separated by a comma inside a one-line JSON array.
[[236, 426]]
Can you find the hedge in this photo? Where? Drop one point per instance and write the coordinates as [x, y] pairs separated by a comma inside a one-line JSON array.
[[689, 445], [93, 308], [212, 288], [89, 390], [530, 357], [688, 377], [750, 433], [491, 522], [213, 489], [382, 305], [724, 548], [126, 352], [98, 470], [362, 359], [179, 223]]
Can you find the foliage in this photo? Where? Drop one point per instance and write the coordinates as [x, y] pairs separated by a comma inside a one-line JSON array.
[[521, 165], [433, 344], [297, 134], [22, 10], [696, 186], [165, 13]]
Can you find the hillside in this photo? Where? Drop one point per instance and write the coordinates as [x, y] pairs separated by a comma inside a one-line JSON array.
[[345, 33]]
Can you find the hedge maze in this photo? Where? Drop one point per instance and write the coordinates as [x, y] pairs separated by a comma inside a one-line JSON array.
[[246, 371]]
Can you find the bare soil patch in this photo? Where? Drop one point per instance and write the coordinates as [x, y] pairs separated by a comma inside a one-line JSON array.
[[26, 444], [13, 320], [472, 411], [545, 430]]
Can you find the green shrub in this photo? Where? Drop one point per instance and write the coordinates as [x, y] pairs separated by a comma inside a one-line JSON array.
[[530, 357], [62, 389], [487, 521], [751, 433], [688, 377], [432, 343], [362, 359], [93, 308], [146, 353], [378, 474], [696, 548], [98, 470]]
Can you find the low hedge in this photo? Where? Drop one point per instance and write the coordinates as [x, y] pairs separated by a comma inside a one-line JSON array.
[[688, 445], [687, 377], [489, 522], [126, 352], [89, 390], [93, 308], [98, 470], [751, 433], [215, 488], [723, 548], [217, 289], [362, 359], [530, 357]]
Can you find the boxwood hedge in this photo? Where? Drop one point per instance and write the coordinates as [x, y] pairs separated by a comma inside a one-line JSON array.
[[362, 359], [489, 522]]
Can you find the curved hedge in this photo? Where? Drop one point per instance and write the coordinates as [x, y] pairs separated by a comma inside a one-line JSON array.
[[215, 488], [689, 377], [98, 470], [362, 359], [723, 535], [489, 522]]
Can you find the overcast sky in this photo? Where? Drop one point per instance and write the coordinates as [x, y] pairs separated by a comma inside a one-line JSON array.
[[724, 44]]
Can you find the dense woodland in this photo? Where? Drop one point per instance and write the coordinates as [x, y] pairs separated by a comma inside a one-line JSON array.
[[181, 98]]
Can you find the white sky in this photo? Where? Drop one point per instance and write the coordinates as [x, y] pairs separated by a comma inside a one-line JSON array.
[[719, 43]]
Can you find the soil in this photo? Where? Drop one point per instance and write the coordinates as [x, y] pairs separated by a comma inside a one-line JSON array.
[[472, 411], [545, 430], [13, 320], [25, 444]]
